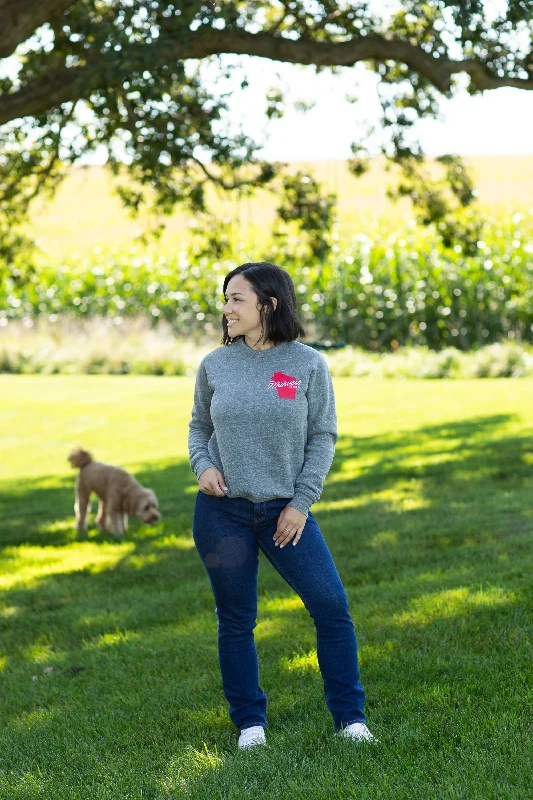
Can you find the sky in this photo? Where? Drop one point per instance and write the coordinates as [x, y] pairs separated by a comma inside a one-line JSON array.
[[499, 121]]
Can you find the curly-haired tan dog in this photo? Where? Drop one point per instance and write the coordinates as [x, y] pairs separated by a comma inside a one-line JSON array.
[[119, 493]]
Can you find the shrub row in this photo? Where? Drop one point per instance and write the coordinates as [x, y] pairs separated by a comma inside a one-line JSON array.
[[102, 347]]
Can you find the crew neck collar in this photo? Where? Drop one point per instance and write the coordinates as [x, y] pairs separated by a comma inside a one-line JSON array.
[[246, 348]]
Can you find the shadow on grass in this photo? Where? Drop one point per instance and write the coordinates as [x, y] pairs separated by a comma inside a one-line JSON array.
[[432, 540]]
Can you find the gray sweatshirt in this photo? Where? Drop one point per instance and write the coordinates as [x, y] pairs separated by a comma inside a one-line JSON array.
[[266, 419]]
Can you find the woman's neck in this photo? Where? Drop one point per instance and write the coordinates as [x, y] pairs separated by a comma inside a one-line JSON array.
[[260, 345]]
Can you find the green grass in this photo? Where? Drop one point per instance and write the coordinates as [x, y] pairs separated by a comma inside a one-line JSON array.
[[109, 673]]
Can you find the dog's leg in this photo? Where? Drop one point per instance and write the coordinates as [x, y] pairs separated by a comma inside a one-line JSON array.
[[125, 521], [115, 517], [101, 519], [81, 507], [117, 524]]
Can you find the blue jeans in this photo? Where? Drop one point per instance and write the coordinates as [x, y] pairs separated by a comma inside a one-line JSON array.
[[228, 533]]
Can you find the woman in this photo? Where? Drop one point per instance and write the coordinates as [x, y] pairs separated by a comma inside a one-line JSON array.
[[261, 442]]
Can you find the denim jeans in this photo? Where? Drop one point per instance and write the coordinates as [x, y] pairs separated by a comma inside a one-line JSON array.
[[228, 533]]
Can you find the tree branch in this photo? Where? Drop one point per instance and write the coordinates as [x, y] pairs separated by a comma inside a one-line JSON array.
[[20, 18], [72, 84], [59, 86], [44, 174], [215, 179]]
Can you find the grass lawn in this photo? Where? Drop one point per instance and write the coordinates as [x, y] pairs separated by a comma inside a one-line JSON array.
[[109, 675]]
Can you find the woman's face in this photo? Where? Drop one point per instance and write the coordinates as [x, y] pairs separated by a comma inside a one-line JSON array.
[[242, 306]]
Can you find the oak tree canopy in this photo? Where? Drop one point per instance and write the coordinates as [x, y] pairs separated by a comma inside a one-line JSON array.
[[131, 75]]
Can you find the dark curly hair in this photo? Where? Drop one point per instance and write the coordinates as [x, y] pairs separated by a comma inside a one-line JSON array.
[[268, 280]]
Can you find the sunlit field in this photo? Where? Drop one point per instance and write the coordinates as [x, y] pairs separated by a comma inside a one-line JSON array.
[[85, 213], [108, 659]]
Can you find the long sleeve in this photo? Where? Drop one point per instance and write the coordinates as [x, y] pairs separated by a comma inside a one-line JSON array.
[[321, 438], [200, 426]]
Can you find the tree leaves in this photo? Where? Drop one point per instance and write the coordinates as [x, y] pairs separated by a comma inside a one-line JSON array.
[[137, 72]]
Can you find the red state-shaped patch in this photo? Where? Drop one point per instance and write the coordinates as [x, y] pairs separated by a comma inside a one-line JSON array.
[[286, 385]]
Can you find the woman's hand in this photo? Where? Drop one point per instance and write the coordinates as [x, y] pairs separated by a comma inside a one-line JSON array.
[[211, 481], [291, 523]]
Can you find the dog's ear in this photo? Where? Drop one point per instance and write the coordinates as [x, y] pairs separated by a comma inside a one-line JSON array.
[[79, 458], [147, 504]]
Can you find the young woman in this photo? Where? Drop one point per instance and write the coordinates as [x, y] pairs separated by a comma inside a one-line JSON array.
[[261, 441]]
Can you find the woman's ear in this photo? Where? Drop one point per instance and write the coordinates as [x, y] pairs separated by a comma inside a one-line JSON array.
[[274, 302]]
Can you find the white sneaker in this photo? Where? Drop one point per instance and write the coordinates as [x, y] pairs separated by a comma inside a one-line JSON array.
[[251, 736], [358, 732]]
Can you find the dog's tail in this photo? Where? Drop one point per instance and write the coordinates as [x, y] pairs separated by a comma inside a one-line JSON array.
[[80, 458]]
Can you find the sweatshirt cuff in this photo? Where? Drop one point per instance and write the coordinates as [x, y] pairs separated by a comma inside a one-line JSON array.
[[300, 505], [205, 464]]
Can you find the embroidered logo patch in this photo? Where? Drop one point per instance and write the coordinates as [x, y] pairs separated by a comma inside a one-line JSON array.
[[286, 385]]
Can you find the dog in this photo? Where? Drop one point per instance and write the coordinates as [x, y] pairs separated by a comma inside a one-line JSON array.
[[120, 495]]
